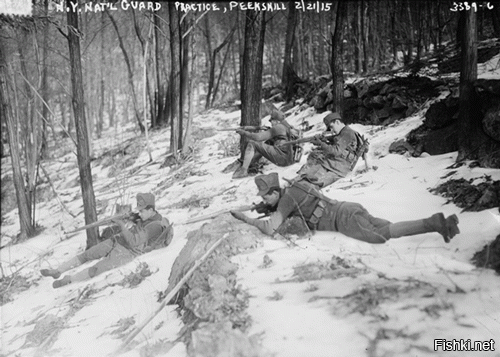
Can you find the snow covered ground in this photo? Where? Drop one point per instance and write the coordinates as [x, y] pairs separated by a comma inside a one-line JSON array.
[[405, 294]]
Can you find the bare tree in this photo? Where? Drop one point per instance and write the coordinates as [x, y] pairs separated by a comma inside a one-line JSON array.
[[289, 78], [129, 71], [473, 143], [83, 153], [337, 64], [26, 224], [251, 84], [174, 79]]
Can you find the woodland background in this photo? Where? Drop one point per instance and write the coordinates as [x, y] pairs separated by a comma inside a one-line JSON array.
[[65, 76]]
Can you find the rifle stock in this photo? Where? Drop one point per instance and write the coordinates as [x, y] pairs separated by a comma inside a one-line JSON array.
[[102, 222], [218, 213]]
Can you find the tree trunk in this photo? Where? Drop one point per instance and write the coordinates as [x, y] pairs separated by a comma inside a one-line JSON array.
[[288, 78], [213, 57], [251, 89], [27, 227], [129, 72], [82, 148], [102, 64], [161, 117], [44, 89], [364, 30], [337, 64], [221, 72], [469, 119], [174, 79]]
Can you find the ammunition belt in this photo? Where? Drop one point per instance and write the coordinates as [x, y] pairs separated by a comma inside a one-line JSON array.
[[317, 214]]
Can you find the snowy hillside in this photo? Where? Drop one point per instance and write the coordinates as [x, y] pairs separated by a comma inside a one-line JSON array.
[[393, 299]]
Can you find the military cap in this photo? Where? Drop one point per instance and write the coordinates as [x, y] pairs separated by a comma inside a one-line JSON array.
[[145, 199], [277, 115], [331, 118], [266, 182]]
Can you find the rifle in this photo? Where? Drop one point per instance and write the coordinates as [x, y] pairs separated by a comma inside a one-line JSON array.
[[247, 128], [130, 216], [325, 136], [261, 208]]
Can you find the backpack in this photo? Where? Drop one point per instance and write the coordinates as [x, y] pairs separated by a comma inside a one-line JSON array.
[[362, 146]]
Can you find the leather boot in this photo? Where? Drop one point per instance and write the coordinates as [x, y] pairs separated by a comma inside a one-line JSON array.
[[51, 272], [448, 227], [240, 173], [56, 273], [61, 282]]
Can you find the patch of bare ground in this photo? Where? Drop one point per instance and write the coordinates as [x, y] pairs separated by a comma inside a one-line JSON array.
[[468, 196], [489, 256]]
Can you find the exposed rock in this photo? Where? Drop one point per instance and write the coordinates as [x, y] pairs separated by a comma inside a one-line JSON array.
[[441, 141], [400, 147], [491, 123], [440, 114]]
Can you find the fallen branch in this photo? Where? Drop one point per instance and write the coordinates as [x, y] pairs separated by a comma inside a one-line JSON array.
[[170, 295]]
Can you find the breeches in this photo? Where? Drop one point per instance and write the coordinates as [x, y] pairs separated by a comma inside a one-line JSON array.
[[354, 221], [273, 154], [318, 175], [112, 255]]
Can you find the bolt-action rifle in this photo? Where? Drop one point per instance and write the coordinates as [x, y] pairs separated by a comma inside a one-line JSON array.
[[127, 216], [261, 208], [247, 128], [323, 137]]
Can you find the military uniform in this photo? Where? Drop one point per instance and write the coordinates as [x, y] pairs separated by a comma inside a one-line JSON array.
[[117, 251], [151, 233], [333, 160], [268, 144], [324, 214]]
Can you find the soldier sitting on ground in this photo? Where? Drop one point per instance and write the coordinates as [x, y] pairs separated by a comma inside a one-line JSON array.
[[335, 157], [151, 231], [321, 213], [267, 144]]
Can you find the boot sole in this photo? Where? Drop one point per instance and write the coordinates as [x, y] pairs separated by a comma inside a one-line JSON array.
[[444, 231], [452, 224]]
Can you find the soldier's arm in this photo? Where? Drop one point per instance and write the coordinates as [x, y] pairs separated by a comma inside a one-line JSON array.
[[133, 240], [269, 226], [339, 147]]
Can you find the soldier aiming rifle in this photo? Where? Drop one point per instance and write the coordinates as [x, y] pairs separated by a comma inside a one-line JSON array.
[[335, 155], [151, 231]]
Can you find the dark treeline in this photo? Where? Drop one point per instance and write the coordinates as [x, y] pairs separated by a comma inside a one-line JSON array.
[[75, 74]]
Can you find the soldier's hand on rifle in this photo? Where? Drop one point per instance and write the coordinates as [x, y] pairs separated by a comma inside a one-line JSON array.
[[240, 131], [239, 215], [317, 139]]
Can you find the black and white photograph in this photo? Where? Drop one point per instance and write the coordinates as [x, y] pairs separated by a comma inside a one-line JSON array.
[[250, 179]]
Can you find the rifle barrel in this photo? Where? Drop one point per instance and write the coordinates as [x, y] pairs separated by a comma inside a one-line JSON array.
[[218, 213], [101, 222]]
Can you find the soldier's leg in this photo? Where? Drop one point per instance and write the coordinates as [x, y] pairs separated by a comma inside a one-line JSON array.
[[247, 159], [354, 221], [447, 227], [118, 256], [98, 251], [67, 265]]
